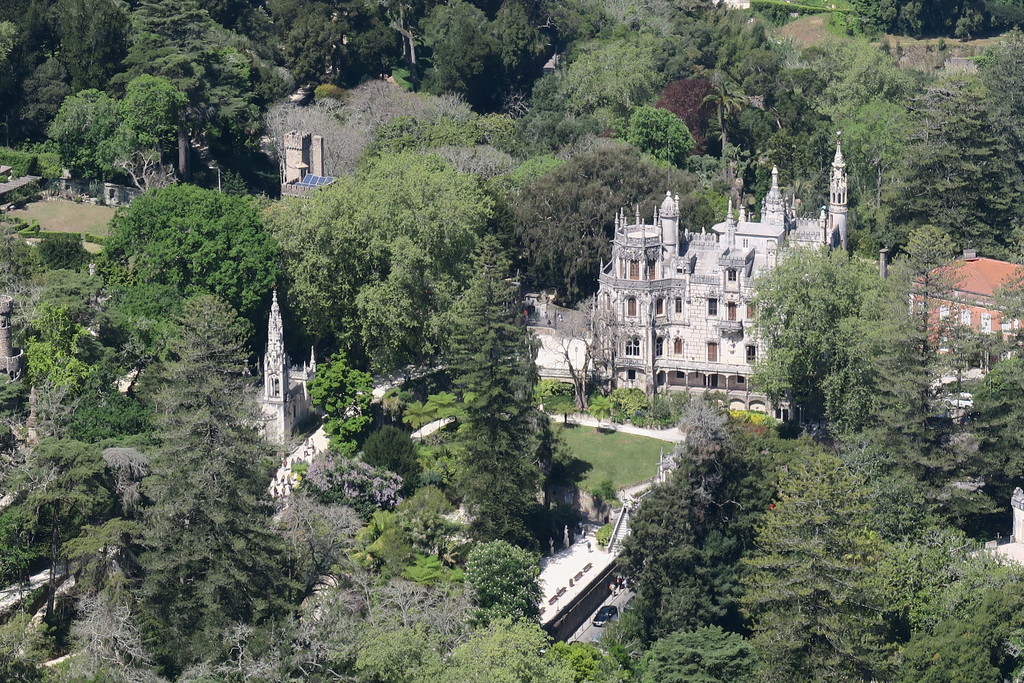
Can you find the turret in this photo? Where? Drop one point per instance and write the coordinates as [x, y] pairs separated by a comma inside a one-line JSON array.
[[730, 227], [275, 362], [774, 210], [837, 207], [669, 217]]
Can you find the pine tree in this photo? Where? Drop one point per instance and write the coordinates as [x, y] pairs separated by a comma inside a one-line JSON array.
[[211, 557], [958, 174], [492, 360], [816, 616]]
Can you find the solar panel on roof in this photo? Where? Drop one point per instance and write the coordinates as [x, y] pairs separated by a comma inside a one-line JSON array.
[[315, 181]]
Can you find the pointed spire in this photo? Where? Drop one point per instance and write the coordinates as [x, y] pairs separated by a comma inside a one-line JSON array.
[[728, 215], [312, 358], [774, 210], [838, 162], [275, 328]]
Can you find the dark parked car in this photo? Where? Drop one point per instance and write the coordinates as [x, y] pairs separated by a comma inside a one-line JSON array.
[[606, 614]]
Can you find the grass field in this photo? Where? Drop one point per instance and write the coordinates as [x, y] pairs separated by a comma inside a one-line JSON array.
[[61, 215], [624, 458]]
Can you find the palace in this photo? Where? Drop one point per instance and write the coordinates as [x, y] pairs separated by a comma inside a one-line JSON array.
[[682, 306]]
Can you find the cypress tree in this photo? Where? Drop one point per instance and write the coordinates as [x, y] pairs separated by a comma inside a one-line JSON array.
[[493, 362]]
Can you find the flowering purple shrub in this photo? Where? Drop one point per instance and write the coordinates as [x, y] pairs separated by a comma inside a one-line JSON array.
[[336, 480]]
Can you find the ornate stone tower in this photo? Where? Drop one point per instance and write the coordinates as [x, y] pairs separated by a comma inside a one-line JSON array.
[[774, 210], [285, 398], [669, 217], [275, 375], [837, 208], [12, 360]]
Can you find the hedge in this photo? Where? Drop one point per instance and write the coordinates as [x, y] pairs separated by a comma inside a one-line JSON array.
[[778, 11], [45, 164]]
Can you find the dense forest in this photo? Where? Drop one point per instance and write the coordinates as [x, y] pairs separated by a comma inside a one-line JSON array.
[[480, 150]]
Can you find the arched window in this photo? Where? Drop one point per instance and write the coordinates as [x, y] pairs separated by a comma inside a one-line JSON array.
[[652, 269], [659, 307], [633, 346], [659, 347], [677, 347], [679, 304], [630, 306], [634, 270]]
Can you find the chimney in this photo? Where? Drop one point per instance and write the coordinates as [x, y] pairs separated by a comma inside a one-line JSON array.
[[883, 263], [970, 254]]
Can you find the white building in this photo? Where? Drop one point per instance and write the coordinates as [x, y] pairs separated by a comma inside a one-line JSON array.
[[682, 304]]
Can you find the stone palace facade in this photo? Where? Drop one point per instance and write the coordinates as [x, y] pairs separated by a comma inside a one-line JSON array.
[[681, 304]]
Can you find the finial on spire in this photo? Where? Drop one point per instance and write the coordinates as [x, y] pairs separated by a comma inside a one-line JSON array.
[[775, 176], [838, 161], [728, 215]]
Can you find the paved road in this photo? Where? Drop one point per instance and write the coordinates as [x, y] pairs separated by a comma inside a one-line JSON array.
[[588, 632]]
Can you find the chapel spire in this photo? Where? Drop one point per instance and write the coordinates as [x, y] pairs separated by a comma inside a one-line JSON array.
[[837, 198]]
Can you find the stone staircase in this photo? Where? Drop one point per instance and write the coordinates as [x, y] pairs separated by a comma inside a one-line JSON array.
[[621, 530]]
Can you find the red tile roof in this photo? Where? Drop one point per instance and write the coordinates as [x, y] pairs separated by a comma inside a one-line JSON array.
[[981, 276]]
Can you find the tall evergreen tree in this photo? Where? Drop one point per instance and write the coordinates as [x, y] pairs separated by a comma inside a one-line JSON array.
[[492, 359], [816, 615], [958, 175], [211, 558]]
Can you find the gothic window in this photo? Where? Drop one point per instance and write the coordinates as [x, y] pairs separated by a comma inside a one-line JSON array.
[[634, 270], [677, 347], [713, 352], [633, 346], [659, 307], [750, 311], [751, 353], [275, 387], [731, 307], [659, 347], [630, 306], [679, 304], [652, 272], [712, 307], [730, 275]]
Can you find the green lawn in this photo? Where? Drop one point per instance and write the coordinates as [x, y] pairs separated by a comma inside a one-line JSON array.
[[61, 215], [624, 458]]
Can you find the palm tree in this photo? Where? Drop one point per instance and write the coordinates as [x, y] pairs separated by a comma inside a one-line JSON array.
[[601, 408], [727, 99], [418, 414]]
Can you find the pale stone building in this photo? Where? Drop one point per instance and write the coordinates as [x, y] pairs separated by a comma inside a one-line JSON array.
[[682, 303], [285, 399], [12, 360], [302, 169]]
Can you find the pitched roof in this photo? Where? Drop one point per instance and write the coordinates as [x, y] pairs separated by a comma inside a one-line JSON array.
[[981, 276]]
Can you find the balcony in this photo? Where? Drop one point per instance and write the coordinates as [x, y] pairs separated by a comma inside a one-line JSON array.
[[730, 327], [729, 260]]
